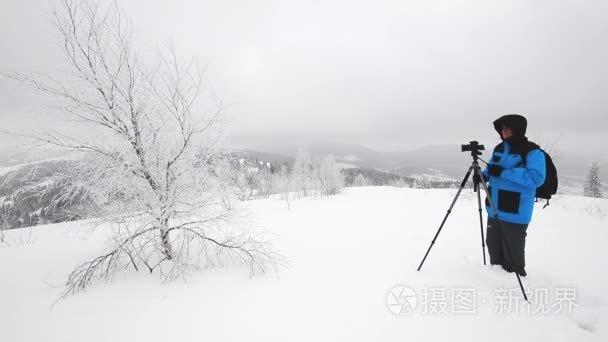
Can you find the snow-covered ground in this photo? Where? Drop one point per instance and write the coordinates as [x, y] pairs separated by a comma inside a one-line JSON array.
[[346, 254]]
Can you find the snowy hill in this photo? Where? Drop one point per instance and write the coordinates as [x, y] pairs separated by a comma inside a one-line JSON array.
[[349, 255]]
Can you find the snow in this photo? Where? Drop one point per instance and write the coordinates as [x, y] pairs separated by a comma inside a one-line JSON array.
[[346, 254]]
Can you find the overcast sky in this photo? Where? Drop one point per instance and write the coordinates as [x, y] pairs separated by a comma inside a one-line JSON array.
[[384, 74]]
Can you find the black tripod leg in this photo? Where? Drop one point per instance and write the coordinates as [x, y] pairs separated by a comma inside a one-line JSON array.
[[464, 182], [483, 240], [521, 286]]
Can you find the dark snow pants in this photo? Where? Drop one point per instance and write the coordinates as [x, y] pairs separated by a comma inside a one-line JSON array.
[[513, 237]]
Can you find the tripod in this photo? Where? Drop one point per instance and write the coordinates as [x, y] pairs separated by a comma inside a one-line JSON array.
[[476, 170]]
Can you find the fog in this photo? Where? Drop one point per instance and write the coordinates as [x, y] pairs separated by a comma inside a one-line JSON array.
[[388, 75]]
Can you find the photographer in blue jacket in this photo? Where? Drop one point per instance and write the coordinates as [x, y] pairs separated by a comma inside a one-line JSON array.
[[512, 185]]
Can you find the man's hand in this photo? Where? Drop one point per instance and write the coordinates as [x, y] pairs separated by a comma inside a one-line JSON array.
[[495, 170], [478, 179]]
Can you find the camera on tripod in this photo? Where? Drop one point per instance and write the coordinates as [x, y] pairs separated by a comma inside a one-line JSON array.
[[474, 147]]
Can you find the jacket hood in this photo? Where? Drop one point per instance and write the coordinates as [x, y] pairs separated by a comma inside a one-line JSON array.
[[515, 122]]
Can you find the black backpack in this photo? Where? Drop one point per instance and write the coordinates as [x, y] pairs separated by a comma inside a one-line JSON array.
[[549, 187]]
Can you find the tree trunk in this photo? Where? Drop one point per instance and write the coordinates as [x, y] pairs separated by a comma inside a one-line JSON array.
[[165, 241]]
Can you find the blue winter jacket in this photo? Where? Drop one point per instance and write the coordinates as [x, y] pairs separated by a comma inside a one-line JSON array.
[[513, 193]]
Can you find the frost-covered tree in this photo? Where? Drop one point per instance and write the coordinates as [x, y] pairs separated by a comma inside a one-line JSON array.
[[593, 185], [360, 180], [146, 167], [244, 182], [302, 173], [4, 221], [307, 177], [422, 183], [400, 183], [329, 176], [263, 179], [282, 183], [226, 177], [315, 177]]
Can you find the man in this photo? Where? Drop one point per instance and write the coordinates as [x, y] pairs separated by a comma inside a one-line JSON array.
[[512, 185]]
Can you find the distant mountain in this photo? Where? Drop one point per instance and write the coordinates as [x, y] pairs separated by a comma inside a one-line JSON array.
[[445, 162], [15, 156], [36, 202], [441, 160], [435, 161]]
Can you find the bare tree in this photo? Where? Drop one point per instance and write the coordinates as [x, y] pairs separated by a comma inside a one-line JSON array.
[[150, 175], [551, 146], [548, 143]]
